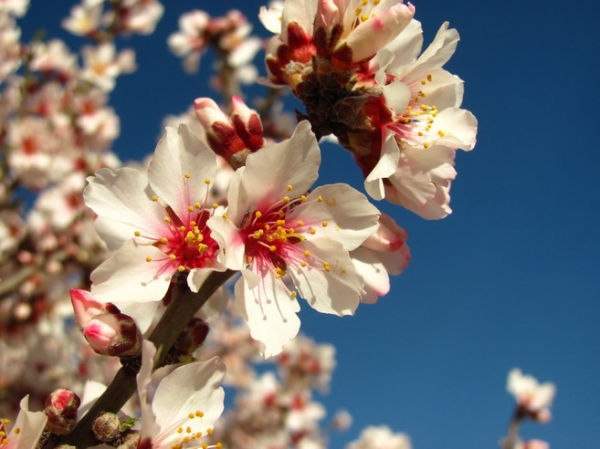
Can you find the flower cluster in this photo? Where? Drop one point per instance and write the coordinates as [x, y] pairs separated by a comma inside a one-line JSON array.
[[356, 67]]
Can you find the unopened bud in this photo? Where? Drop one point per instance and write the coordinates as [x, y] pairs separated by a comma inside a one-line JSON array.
[[129, 440], [192, 336], [247, 124], [61, 410], [106, 427], [113, 334], [86, 307], [221, 135]]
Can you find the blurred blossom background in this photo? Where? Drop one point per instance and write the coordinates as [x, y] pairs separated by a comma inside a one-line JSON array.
[[510, 279]]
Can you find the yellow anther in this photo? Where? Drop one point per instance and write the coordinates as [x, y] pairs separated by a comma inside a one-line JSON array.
[[426, 145], [190, 208], [299, 223], [202, 248], [423, 82], [182, 228], [209, 431], [376, 2], [303, 264], [272, 248], [258, 214], [189, 429], [172, 256], [267, 227], [424, 107], [180, 430], [164, 240], [320, 199], [429, 78], [294, 294], [148, 259], [181, 268], [286, 199], [167, 220], [420, 133], [16, 430], [218, 445], [324, 224], [204, 446], [257, 235], [225, 215], [326, 266], [408, 108], [214, 205], [154, 198], [280, 222], [197, 206], [199, 414], [307, 253], [303, 198], [207, 181], [312, 231], [357, 11], [281, 213], [289, 188], [137, 233], [208, 262], [193, 223], [364, 17], [187, 176]]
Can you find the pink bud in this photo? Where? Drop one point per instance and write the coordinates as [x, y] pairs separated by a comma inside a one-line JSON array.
[[247, 124], [113, 334], [61, 409], [86, 307], [220, 132]]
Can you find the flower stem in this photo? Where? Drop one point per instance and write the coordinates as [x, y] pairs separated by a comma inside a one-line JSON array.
[[184, 305]]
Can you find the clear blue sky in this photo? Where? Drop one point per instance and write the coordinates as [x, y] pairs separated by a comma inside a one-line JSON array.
[[511, 279]]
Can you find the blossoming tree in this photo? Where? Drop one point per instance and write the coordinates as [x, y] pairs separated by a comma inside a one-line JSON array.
[[186, 270]]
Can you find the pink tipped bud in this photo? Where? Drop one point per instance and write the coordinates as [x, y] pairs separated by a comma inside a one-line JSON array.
[[86, 307], [247, 124], [61, 409], [113, 334], [220, 132]]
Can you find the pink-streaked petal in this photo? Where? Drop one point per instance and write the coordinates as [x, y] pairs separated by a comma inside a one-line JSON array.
[[344, 215], [336, 291], [270, 312], [123, 197], [180, 166], [127, 277], [269, 171], [374, 274], [405, 47], [300, 12], [230, 241], [397, 96]]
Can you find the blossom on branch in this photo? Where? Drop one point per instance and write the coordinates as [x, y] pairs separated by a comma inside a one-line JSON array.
[[533, 399], [274, 228], [156, 223]]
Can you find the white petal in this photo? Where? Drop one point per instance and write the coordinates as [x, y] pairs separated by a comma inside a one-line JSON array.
[[437, 54], [349, 217], [127, 277], [230, 241], [179, 168], [123, 197], [387, 165], [270, 312], [377, 280], [300, 11], [30, 424], [271, 169], [337, 291], [461, 125], [186, 390]]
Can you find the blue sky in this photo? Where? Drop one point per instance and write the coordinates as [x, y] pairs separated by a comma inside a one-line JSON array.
[[510, 279]]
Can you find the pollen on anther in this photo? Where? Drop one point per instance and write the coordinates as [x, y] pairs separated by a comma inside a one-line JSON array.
[[207, 181], [167, 220], [182, 228], [258, 214], [164, 240], [148, 259], [197, 206], [172, 256], [307, 253], [199, 414], [320, 199], [187, 176], [289, 188], [190, 208], [312, 231], [181, 268], [286, 199], [303, 264], [325, 223], [429, 78], [326, 266], [137, 233], [180, 430], [272, 248], [303, 198], [426, 145], [209, 431], [293, 294]]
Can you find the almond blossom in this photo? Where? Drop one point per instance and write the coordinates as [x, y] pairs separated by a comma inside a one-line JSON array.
[[533, 399], [179, 404], [275, 227], [156, 223]]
